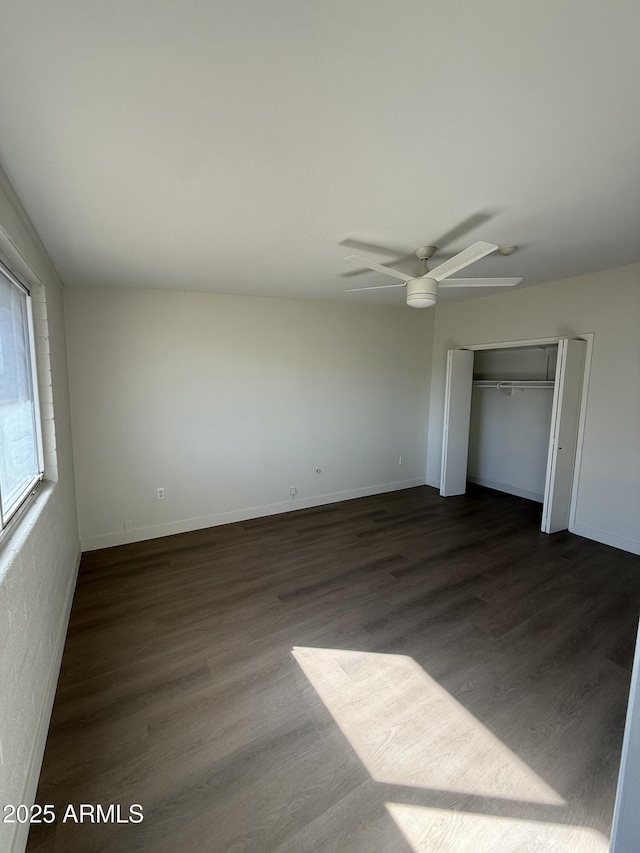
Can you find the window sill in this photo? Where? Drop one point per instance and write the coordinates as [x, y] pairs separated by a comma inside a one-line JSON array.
[[17, 530]]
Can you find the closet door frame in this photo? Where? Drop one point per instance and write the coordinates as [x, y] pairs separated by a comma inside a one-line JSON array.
[[535, 342]]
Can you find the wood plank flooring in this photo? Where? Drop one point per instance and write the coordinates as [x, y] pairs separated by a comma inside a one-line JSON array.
[[396, 673]]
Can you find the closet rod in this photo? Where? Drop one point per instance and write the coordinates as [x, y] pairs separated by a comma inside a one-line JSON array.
[[487, 383]]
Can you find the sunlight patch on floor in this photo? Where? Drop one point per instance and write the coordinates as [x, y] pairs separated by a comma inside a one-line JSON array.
[[442, 831], [408, 730]]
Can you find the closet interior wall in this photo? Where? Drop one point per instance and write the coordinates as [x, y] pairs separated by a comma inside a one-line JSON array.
[[509, 429]]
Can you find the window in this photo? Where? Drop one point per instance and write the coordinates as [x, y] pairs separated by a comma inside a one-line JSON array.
[[21, 465]]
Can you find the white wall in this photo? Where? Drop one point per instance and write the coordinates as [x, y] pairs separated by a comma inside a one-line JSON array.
[[39, 559], [625, 830], [509, 440], [229, 401], [607, 304]]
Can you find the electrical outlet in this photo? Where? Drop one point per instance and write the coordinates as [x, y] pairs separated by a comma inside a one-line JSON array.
[[401, 460], [128, 525], [160, 493], [293, 491]]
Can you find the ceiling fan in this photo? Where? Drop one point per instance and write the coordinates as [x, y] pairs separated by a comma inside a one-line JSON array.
[[422, 290]]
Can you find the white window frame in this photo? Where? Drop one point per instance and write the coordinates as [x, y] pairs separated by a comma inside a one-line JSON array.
[[8, 519]]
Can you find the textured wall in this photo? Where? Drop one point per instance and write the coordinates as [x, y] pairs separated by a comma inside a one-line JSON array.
[[39, 559]]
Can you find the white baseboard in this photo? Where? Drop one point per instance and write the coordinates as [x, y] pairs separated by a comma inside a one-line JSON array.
[[141, 534], [621, 542], [433, 481], [19, 840], [505, 487]]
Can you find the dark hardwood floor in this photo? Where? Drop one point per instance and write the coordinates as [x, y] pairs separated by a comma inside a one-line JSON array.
[[394, 673]]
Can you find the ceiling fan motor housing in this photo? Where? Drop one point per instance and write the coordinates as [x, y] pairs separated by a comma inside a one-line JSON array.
[[422, 292]]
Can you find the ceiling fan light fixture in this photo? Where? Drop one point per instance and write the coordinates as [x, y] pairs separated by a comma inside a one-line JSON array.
[[422, 292], [421, 301]]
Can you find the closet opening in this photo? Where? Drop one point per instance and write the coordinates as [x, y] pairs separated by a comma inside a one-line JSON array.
[[513, 422], [510, 419]]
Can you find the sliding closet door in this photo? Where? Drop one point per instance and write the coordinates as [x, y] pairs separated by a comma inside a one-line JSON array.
[[564, 435], [457, 409]]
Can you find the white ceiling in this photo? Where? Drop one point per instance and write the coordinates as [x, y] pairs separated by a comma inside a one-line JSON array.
[[232, 146]]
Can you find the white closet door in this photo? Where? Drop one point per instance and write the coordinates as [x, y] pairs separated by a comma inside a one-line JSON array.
[[457, 409], [564, 435]]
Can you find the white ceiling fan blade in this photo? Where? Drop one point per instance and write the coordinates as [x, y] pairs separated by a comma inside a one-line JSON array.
[[378, 287], [480, 282], [462, 260], [379, 268]]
